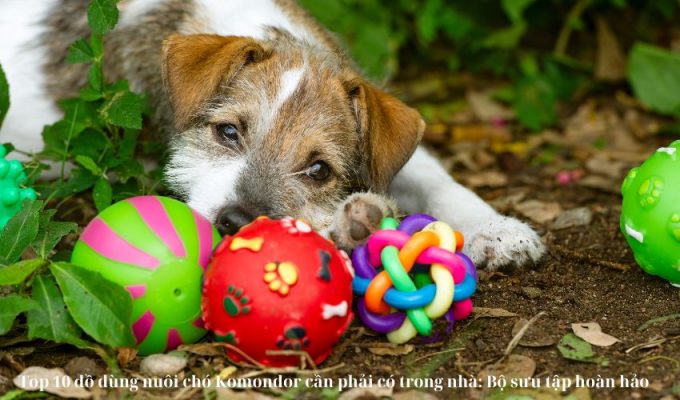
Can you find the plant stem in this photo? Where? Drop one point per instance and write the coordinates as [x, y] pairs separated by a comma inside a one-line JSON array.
[[565, 32]]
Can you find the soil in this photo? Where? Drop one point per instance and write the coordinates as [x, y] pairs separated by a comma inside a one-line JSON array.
[[587, 275]]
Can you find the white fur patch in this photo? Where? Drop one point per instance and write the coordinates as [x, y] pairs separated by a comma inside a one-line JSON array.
[[247, 18], [21, 56], [132, 10], [207, 184]]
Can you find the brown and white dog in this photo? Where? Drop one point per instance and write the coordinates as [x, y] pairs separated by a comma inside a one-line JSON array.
[[265, 115]]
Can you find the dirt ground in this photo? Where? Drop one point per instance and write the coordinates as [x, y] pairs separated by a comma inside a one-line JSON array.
[[588, 275]]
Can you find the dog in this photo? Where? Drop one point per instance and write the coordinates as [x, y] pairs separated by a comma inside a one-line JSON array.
[[264, 112]]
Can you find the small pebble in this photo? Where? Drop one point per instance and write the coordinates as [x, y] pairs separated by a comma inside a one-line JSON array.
[[531, 292], [162, 364]]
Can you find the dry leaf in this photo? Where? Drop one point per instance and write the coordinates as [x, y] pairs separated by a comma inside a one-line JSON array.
[[506, 203], [592, 333], [575, 217], [487, 109], [600, 183], [610, 64], [539, 211], [48, 378], [603, 166], [126, 355], [515, 366], [366, 393], [162, 364], [204, 349], [392, 350], [484, 312], [537, 335], [486, 179]]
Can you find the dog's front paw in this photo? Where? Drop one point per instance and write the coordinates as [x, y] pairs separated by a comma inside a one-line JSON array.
[[504, 241], [358, 217]]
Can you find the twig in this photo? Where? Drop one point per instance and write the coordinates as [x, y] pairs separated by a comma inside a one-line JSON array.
[[654, 358], [304, 356], [657, 320], [584, 258], [515, 340]]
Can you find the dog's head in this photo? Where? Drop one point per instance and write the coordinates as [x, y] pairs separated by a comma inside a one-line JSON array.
[[278, 127]]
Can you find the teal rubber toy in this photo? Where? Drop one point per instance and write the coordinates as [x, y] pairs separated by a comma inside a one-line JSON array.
[[157, 248], [650, 215], [12, 195]]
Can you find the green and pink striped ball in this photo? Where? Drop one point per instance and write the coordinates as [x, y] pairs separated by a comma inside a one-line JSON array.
[[157, 248]]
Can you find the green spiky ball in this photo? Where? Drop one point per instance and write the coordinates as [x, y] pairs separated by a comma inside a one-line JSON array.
[[650, 215], [12, 195]]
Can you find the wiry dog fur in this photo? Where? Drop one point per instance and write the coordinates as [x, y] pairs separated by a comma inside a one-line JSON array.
[[286, 89]]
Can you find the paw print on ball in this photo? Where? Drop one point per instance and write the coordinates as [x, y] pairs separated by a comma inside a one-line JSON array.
[[280, 276], [12, 195], [649, 191], [674, 226], [295, 226], [235, 302], [294, 338]]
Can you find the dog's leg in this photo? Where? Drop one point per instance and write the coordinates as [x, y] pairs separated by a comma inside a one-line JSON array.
[[492, 240], [359, 216]]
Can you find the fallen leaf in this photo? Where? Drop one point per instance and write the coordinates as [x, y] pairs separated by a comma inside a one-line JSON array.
[[592, 333], [486, 179], [539, 334], [162, 364], [610, 64], [604, 166], [83, 366], [515, 366], [67, 388], [392, 350], [484, 312], [506, 203], [575, 217], [487, 109], [204, 349], [598, 182], [574, 348], [366, 393], [126, 355], [539, 211]]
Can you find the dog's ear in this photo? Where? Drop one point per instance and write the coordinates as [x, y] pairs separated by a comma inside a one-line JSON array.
[[390, 129], [194, 67]]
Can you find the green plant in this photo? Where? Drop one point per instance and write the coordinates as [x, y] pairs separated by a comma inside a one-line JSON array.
[[98, 135], [543, 48]]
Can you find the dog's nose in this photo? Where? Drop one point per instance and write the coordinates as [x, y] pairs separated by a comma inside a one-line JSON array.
[[232, 218]]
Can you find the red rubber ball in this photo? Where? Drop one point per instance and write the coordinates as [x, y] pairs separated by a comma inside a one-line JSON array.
[[278, 288]]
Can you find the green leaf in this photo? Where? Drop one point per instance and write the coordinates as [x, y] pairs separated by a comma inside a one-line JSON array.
[[654, 74], [534, 102], [10, 307], [514, 9], [17, 273], [99, 306], [97, 45], [124, 109], [575, 348], [102, 194], [4, 96], [102, 15], [50, 320], [20, 232], [96, 78], [50, 235], [79, 52], [89, 164]]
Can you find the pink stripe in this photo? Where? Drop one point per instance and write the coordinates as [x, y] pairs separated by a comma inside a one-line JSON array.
[[156, 217], [198, 323], [136, 291], [142, 326], [205, 242], [102, 239], [174, 340]]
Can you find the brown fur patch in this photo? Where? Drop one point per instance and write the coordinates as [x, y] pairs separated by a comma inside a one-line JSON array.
[[195, 66]]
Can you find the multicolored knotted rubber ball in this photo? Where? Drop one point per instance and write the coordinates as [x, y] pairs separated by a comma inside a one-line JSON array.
[[409, 274]]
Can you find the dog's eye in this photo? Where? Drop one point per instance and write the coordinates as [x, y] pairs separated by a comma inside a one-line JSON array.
[[319, 171], [227, 132]]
